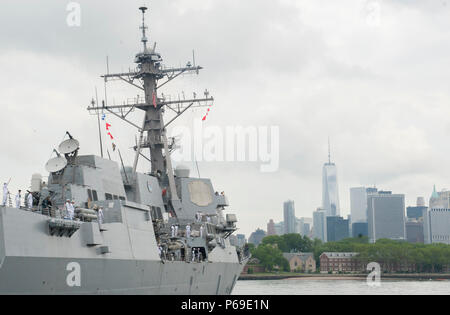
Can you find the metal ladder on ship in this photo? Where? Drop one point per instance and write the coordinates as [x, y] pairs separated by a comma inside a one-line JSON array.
[[9, 200]]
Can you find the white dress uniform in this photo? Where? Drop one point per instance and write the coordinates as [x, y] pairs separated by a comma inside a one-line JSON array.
[[18, 199], [100, 216], [176, 230], [188, 231], [201, 231], [173, 230], [30, 201], [70, 210], [5, 194]]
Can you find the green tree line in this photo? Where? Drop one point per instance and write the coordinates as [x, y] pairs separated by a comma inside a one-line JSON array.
[[392, 255]]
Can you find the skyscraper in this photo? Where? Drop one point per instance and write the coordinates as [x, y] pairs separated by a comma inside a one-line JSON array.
[[436, 219], [271, 228], [290, 225], [386, 216], [440, 199], [414, 232], [358, 203], [415, 222], [360, 229], [320, 224], [330, 193], [438, 226], [337, 229], [257, 237], [279, 228], [303, 226], [241, 240]]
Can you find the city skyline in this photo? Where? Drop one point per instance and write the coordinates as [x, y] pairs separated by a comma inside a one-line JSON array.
[[437, 201]]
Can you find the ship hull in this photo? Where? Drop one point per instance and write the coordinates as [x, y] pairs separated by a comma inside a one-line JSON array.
[[25, 275], [33, 262]]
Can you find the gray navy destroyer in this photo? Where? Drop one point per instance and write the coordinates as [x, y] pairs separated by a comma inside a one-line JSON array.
[[161, 232]]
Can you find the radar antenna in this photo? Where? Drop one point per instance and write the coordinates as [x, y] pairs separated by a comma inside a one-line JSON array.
[[56, 164], [144, 39]]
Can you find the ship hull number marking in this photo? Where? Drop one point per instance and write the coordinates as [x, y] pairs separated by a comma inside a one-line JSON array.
[[74, 277]]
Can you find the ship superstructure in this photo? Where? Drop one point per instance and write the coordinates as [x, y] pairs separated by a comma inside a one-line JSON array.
[[161, 232]]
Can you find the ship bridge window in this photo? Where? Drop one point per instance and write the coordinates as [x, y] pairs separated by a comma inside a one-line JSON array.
[[122, 198], [94, 195], [108, 197], [116, 197]]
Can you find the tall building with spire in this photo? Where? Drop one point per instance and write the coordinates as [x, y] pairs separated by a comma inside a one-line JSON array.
[[440, 199], [330, 193]]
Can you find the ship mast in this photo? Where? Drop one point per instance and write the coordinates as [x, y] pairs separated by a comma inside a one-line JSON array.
[[146, 77]]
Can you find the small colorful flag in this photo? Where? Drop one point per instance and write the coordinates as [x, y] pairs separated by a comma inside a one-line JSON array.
[[154, 99], [207, 113]]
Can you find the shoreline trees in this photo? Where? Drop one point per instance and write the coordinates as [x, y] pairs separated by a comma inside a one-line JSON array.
[[393, 256]]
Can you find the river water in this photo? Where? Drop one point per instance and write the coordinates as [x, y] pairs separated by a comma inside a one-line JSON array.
[[334, 287]]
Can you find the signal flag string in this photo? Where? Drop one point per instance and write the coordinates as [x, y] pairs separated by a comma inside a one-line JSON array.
[[207, 113], [108, 131]]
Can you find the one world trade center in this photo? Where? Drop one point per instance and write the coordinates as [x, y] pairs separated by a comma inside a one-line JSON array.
[[330, 193]]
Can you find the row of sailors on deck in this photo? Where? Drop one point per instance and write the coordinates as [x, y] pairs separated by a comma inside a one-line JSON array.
[[199, 217], [174, 231], [18, 199], [70, 211], [196, 255]]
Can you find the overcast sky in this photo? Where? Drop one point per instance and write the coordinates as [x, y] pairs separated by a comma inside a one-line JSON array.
[[371, 75]]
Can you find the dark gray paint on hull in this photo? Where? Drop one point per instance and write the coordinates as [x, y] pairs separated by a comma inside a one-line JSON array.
[[23, 275]]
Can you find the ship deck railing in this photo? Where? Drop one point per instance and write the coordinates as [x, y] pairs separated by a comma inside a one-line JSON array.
[[48, 212]]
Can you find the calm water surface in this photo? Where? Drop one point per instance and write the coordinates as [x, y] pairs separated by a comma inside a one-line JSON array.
[[333, 287]]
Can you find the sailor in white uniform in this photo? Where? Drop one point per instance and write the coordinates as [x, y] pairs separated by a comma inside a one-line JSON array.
[[30, 201], [72, 210], [201, 231], [5, 194], [176, 230], [173, 230], [188, 231], [69, 209], [18, 199], [100, 215]]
